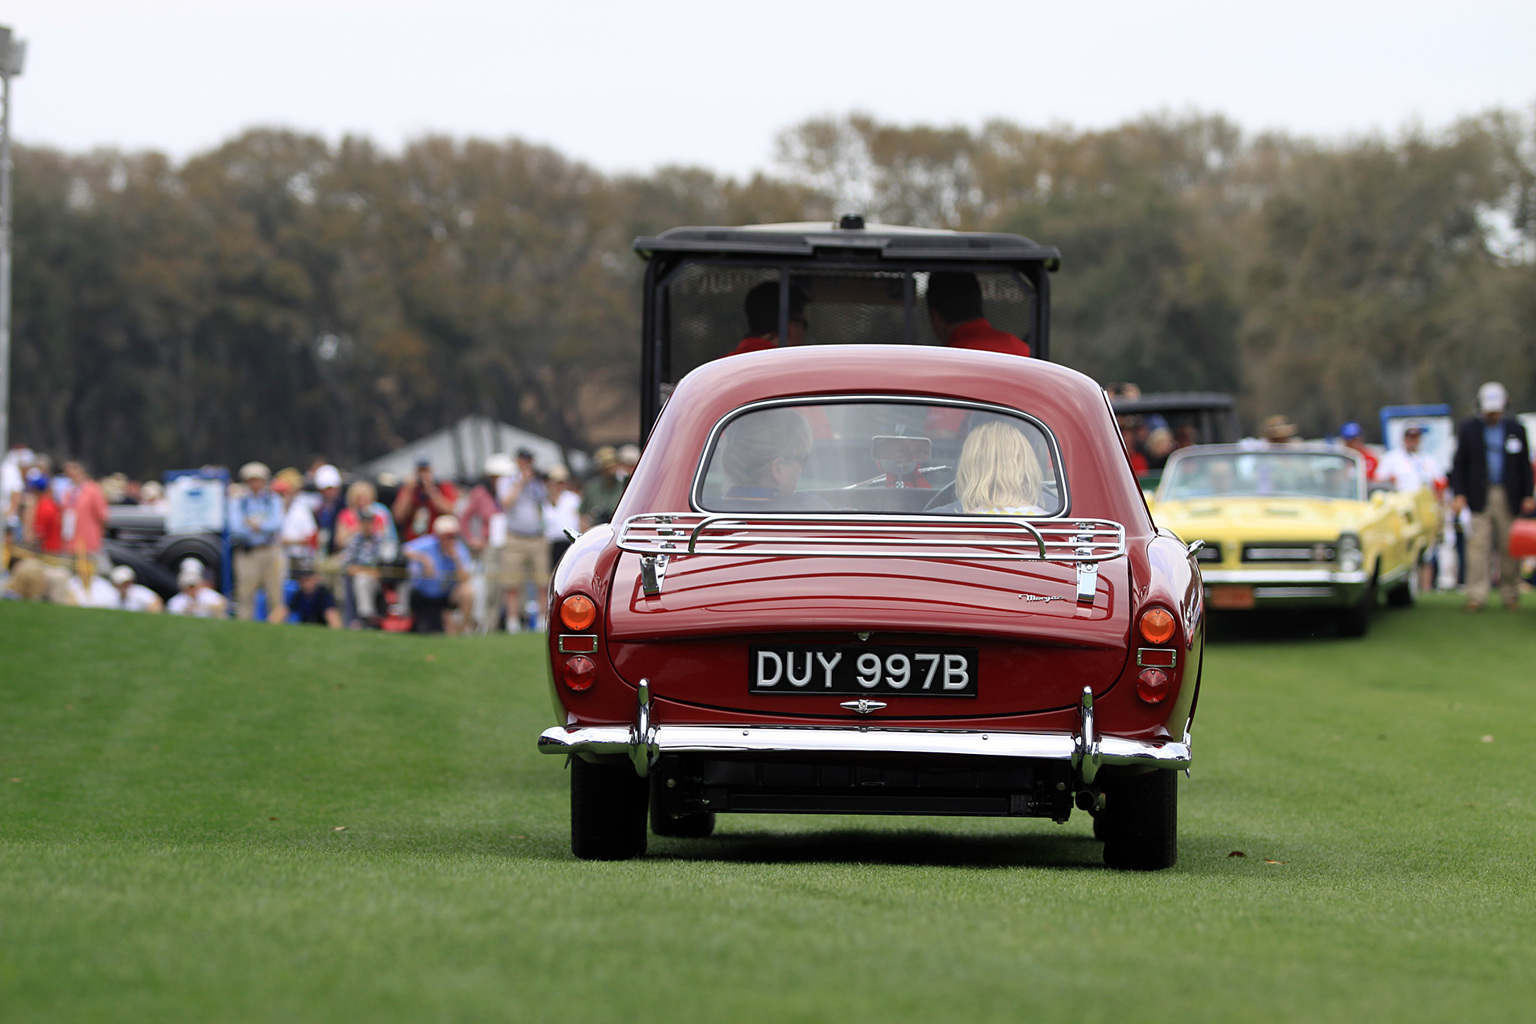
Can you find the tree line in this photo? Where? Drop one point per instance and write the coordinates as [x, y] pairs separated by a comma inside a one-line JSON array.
[[283, 296]]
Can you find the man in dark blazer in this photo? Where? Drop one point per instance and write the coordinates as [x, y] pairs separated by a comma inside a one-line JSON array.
[[1491, 476]]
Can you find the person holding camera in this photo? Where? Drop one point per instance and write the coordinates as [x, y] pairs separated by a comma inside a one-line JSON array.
[[421, 500]]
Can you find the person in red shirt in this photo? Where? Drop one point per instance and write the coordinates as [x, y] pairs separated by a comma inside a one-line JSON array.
[[421, 500], [1350, 432], [762, 309], [44, 526], [955, 311]]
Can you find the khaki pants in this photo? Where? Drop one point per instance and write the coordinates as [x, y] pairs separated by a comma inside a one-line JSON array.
[[1490, 532], [260, 569], [523, 559]]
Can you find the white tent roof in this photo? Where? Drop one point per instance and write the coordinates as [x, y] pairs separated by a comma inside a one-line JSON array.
[[460, 451]]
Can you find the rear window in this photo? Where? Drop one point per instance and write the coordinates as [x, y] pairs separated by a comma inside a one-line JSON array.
[[882, 455]]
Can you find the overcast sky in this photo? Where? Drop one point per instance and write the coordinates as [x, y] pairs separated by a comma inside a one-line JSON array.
[[630, 85]]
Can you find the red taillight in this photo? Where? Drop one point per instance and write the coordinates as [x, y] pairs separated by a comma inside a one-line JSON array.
[[1157, 625], [578, 612], [1152, 685], [579, 672]]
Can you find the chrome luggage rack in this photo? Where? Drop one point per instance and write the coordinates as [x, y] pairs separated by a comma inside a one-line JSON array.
[[659, 537]]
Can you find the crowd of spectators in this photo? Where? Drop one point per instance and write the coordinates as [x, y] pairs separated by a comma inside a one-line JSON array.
[[311, 546], [431, 555]]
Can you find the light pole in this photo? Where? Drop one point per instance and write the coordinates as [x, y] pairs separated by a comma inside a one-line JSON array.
[[13, 54]]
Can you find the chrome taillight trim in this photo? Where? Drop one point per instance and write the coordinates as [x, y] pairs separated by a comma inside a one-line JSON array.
[[577, 643]]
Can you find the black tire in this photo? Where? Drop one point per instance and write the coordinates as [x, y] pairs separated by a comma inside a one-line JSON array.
[[1141, 822], [1406, 593], [205, 547], [145, 569], [1356, 620], [608, 805], [692, 825]]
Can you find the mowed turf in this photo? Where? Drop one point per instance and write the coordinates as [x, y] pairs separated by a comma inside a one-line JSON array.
[[221, 821]]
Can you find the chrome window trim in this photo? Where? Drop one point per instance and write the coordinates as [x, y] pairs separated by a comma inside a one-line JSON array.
[[696, 492]]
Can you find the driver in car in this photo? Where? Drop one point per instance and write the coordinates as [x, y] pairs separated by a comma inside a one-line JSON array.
[[901, 460], [763, 455]]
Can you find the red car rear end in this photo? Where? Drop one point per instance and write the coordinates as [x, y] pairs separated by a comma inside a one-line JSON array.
[[860, 624]]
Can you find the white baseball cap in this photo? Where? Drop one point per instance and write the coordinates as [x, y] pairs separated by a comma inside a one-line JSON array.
[[123, 574], [445, 524], [1491, 397], [327, 476]]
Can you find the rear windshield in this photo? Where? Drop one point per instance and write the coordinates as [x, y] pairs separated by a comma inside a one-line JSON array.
[[881, 456], [1264, 474]]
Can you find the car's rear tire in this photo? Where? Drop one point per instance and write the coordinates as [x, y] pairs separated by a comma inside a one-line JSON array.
[[608, 804], [1140, 822]]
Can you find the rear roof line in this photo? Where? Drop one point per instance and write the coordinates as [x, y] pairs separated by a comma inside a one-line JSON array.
[[888, 241]]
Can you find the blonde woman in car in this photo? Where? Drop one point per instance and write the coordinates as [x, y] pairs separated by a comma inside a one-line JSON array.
[[998, 473]]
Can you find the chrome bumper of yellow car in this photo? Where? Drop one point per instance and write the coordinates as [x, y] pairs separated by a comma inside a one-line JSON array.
[[643, 742], [1284, 577]]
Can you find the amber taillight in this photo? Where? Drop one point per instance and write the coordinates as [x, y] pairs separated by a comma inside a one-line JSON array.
[[1157, 625], [578, 612]]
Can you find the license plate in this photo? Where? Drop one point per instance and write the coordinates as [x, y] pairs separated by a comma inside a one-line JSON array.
[[864, 669], [1230, 596]]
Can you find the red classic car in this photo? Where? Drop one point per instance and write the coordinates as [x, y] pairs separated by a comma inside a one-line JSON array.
[[866, 580]]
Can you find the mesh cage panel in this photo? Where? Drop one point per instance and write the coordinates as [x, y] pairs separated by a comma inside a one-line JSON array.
[[706, 318], [705, 312], [1009, 302], [854, 308]]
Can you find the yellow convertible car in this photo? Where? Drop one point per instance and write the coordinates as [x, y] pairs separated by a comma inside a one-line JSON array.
[[1295, 525]]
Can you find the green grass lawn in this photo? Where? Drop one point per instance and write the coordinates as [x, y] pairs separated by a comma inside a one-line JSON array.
[[223, 821]]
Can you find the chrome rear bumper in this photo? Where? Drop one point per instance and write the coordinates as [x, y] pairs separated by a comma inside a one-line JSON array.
[[643, 743]]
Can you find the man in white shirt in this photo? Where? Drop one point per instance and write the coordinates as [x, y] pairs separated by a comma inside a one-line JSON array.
[[12, 476], [92, 591], [562, 512], [130, 595], [1407, 468], [197, 598]]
